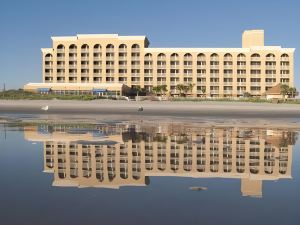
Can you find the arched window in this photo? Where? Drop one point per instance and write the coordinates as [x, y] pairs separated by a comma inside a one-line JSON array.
[[161, 57], [97, 48], [255, 57], [135, 47], [60, 47], [48, 57], [109, 48], [148, 57], [201, 57], [227, 57], [241, 57], [122, 47], [73, 47], [214, 57], [270, 57]]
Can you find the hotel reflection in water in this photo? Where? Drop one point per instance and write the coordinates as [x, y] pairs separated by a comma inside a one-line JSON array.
[[111, 156]]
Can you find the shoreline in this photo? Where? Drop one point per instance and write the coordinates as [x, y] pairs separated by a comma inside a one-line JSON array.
[[203, 114]]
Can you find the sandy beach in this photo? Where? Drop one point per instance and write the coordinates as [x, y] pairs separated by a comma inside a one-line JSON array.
[[177, 109]]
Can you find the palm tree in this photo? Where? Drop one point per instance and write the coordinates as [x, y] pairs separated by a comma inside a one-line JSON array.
[[284, 90], [156, 89], [191, 86], [163, 89], [292, 92], [180, 88], [203, 90]]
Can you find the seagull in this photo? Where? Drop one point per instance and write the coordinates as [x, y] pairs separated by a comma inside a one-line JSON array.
[[45, 108]]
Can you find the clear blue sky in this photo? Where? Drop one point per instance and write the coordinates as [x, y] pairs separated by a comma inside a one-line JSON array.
[[26, 26]]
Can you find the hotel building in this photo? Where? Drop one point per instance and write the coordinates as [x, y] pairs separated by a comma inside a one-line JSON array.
[[109, 62], [111, 156]]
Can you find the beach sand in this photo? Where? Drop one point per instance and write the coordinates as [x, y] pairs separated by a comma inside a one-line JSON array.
[[204, 113]]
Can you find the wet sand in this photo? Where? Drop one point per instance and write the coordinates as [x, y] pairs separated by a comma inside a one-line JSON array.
[[178, 109], [200, 113]]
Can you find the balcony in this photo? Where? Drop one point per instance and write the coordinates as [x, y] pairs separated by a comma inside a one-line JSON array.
[[122, 66], [72, 66], [73, 50], [48, 66], [148, 66], [214, 91], [270, 75], [97, 58], [214, 83], [227, 91], [214, 75], [135, 66], [84, 66], [72, 74], [201, 66], [227, 66], [148, 82], [201, 83], [174, 74], [60, 66], [174, 82], [255, 66], [255, 59], [241, 84], [84, 50], [135, 58], [255, 92], [201, 74], [135, 82], [161, 66], [48, 74], [60, 58], [135, 74], [48, 58], [174, 66], [161, 75], [226, 75], [73, 58], [284, 67], [227, 83], [109, 66], [271, 59], [214, 66], [241, 67], [60, 74], [255, 84], [148, 75], [84, 58], [270, 67], [122, 58], [62, 50], [85, 74], [97, 67], [110, 74], [270, 83], [255, 75], [188, 66], [110, 58], [284, 59]]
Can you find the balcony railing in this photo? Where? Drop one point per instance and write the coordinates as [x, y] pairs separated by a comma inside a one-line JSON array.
[[214, 83], [72, 50], [135, 58], [84, 66], [48, 58], [148, 66], [72, 74], [174, 74], [135, 82], [161, 74], [110, 66], [161, 66], [72, 66], [84, 74], [48, 66], [270, 83], [227, 83], [271, 59], [84, 50], [214, 66], [135, 66], [241, 84], [255, 59], [270, 67], [214, 91], [97, 66], [227, 91], [61, 50], [72, 58], [60, 58], [201, 75], [255, 84], [228, 74], [48, 74], [148, 75], [60, 66], [214, 75], [284, 67]]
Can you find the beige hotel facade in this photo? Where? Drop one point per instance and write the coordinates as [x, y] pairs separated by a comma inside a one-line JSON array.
[[110, 62]]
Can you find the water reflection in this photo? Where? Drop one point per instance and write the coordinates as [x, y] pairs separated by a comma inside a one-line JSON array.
[[115, 155]]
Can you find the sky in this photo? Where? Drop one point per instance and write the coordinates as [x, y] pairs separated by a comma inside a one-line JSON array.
[[27, 26]]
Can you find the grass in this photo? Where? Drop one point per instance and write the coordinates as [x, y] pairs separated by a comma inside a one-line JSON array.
[[23, 95]]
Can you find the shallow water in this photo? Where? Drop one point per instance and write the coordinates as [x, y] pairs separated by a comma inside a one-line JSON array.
[[141, 173]]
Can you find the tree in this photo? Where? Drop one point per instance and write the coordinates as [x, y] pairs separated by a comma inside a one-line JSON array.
[[156, 89], [292, 92], [163, 89], [284, 90], [203, 90], [137, 89], [191, 86], [180, 88], [247, 95]]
